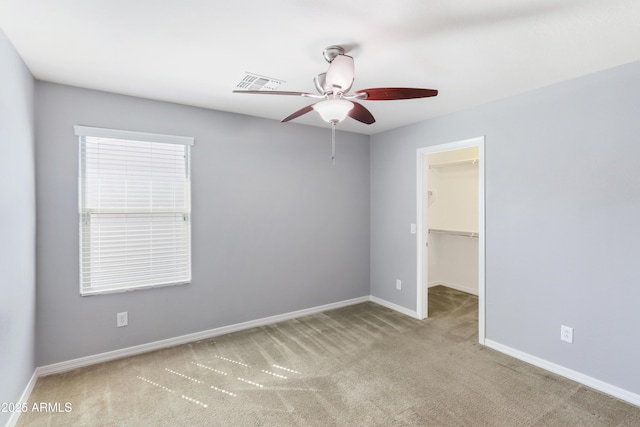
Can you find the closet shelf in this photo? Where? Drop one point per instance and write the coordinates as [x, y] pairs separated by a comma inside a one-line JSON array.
[[454, 232], [456, 163]]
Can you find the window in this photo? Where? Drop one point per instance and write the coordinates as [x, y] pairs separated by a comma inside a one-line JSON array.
[[135, 210]]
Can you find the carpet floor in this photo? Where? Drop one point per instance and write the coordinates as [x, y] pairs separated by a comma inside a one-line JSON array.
[[363, 365]]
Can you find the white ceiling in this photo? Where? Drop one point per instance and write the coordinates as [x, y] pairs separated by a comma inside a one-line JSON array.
[[194, 51]]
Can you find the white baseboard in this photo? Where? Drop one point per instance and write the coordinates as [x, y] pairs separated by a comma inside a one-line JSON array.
[[184, 339], [463, 288], [13, 419], [594, 383], [396, 307], [612, 390]]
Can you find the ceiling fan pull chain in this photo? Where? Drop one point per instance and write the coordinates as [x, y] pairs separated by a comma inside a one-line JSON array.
[[333, 142]]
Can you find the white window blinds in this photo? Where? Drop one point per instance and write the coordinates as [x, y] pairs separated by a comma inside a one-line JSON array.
[[135, 210]]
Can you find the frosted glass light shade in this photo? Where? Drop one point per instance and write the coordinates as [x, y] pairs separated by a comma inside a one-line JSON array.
[[333, 110]]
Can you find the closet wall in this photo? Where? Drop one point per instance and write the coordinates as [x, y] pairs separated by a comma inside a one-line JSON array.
[[452, 219]]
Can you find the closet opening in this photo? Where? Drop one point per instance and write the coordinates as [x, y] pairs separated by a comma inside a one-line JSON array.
[[450, 218]]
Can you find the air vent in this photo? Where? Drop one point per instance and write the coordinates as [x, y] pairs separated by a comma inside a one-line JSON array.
[[250, 81]]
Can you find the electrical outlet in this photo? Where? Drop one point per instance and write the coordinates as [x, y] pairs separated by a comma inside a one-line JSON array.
[[566, 334], [398, 284], [122, 319]]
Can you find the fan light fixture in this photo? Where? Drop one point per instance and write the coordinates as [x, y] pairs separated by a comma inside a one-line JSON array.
[[337, 103], [333, 110]]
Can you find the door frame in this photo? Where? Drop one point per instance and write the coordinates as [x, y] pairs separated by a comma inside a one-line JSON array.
[[422, 255]]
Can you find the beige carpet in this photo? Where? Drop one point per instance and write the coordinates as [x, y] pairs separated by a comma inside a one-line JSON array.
[[363, 365]]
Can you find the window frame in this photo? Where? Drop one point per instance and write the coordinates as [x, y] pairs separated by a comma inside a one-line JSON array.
[[84, 132]]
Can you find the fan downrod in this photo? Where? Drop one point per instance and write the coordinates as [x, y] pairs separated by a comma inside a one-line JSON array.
[[331, 52]]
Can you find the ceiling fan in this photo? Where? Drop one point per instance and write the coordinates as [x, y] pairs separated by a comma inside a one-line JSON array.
[[333, 88]]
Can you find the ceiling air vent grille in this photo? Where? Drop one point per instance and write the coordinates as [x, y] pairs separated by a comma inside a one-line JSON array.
[[250, 81]]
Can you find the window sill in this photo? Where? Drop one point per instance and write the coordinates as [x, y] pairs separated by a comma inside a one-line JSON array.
[[132, 289]]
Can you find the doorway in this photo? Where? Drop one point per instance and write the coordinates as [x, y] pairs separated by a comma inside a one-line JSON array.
[[432, 161]]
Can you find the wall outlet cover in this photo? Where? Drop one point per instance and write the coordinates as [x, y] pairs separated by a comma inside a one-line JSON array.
[[566, 334], [122, 319]]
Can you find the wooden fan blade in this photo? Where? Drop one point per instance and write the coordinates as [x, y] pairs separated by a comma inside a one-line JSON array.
[[279, 92], [361, 114], [340, 73], [391, 93], [298, 113]]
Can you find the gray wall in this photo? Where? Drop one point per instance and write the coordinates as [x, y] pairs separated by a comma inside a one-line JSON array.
[[276, 227], [562, 219], [17, 226]]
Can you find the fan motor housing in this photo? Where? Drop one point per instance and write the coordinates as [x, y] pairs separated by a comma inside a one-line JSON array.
[[331, 52]]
